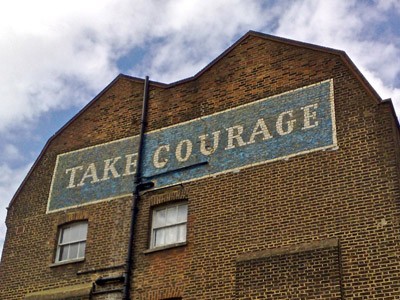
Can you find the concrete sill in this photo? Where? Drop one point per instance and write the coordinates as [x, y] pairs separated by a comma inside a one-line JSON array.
[[152, 250], [81, 291], [62, 263]]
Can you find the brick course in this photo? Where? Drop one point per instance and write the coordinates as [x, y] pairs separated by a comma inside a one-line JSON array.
[[349, 194]]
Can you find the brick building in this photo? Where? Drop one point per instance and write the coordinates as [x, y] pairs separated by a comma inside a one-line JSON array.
[[270, 174]]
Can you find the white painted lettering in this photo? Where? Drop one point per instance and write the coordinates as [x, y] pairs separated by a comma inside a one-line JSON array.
[[72, 177], [90, 172], [260, 128], [205, 148], [310, 117], [178, 151], [235, 133], [109, 166], [288, 124], [130, 164], [157, 162]]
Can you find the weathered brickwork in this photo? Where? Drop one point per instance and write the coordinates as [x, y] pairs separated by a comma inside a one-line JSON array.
[[251, 233]]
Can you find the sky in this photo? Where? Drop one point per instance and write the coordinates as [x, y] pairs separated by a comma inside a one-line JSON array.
[[56, 56]]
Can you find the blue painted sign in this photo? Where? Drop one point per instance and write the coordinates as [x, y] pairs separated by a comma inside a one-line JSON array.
[[277, 127]]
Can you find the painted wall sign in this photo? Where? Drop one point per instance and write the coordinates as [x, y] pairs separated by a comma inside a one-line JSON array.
[[281, 126]]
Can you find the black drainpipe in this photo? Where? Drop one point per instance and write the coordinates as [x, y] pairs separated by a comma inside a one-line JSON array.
[[136, 196]]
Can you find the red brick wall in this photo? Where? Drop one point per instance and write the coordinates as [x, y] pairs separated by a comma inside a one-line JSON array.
[[349, 194]]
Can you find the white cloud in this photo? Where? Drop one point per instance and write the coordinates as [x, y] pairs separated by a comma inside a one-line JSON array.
[[40, 58], [10, 152], [325, 22], [388, 4]]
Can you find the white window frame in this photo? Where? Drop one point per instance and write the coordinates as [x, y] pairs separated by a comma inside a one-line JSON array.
[[66, 245], [154, 228]]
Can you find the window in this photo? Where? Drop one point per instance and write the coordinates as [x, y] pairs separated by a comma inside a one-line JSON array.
[[71, 242], [169, 225]]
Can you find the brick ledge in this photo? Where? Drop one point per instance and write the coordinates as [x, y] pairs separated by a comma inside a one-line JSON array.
[[291, 249]]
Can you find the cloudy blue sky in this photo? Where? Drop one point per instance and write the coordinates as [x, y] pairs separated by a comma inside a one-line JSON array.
[[55, 56]]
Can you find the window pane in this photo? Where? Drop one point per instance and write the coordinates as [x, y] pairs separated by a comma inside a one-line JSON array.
[[64, 253], [172, 215], [182, 233], [73, 251], [72, 234], [65, 235], [81, 232], [182, 213], [81, 252], [171, 235], [159, 237], [159, 218]]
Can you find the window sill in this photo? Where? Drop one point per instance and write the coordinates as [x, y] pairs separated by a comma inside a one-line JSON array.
[[67, 262], [164, 247]]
